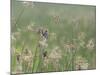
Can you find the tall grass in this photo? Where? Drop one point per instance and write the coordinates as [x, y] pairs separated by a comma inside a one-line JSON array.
[[71, 40]]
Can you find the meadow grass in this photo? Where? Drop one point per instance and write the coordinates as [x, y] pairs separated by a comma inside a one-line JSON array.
[[71, 40]]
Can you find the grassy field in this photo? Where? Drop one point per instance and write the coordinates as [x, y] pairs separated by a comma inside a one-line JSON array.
[[71, 42]]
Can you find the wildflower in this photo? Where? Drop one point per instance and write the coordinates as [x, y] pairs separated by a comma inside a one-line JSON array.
[[84, 66], [53, 58], [46, 61], [27, 58], [69, 47], [43, 43], [90, 45], [81, 63], [27, 54], [55, 53]]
